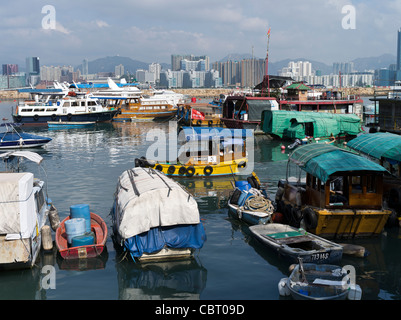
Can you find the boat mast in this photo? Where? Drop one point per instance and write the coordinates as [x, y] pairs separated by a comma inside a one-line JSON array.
[[267, 65]]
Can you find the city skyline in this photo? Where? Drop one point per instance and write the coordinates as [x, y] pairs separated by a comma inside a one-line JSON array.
[[153, 30]]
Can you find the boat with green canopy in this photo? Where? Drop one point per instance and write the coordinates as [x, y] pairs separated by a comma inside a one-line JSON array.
[[384, 147], [304, 124], [341, 196]]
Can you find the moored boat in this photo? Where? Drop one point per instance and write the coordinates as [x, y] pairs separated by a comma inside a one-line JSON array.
[[89, 243], [293, 243], [205, 152], [69, 124], [74, 106], [249, 203], [311, 281], [244, 112], [24, 208], [342, 196], [154, 218], [384, 148], [13, 137]]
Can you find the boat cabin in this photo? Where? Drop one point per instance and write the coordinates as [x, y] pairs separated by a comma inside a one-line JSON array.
[[342, 195]]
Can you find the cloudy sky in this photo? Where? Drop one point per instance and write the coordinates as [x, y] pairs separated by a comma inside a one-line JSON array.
[[152, 30]]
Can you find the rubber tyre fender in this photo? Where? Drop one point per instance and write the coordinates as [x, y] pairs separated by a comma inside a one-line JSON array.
[[310, 218], [171, 170], [54, 117], [208, 170], [69, 116], [190, 171], [159, 167], [36, 117], [19, 118], [182, 170]]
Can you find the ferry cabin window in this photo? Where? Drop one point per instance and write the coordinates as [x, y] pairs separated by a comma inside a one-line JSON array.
[[74, 104], [91, 103], [26, 110]]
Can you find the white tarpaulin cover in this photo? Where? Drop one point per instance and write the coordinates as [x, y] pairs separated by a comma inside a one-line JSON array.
[[17, 206], [146, 198]]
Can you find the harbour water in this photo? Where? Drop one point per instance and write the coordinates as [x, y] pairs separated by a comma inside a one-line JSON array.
[[83, 166]]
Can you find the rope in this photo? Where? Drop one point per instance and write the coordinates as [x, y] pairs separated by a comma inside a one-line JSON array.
[[259, 203]]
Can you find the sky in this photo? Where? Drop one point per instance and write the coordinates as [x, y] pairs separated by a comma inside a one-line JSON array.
[[152, 30]]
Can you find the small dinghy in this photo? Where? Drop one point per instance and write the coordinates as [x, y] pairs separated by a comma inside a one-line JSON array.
[[82, 234], [293, 243], [311, 281], [249, 203]]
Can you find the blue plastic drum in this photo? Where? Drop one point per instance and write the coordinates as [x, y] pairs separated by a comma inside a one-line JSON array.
[[81, 211], [74, 228]]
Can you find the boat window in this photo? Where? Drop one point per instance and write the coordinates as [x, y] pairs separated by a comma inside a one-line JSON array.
[[356, 183], [40, 199], [51, 109], [74, 104], [26, 110], [91, 103], [163, 107], [39, 110], [371, 184], [67, 104], [82, 103]]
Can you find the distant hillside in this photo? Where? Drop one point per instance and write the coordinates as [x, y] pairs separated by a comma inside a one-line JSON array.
[[372, 63]]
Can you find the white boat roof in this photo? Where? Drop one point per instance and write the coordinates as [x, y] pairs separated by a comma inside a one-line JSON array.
[[32, 156]]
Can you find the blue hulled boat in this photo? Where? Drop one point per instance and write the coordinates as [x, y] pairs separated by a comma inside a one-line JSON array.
[[12, 136]]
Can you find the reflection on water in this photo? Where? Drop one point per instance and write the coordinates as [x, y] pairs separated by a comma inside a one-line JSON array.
[[179, 280]]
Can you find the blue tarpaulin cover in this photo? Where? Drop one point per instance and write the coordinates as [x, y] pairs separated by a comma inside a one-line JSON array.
[[179, 236]]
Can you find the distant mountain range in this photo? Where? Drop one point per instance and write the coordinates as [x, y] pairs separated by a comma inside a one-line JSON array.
[[108, 64]]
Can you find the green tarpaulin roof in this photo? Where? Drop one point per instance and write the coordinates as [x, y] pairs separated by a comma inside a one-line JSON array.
[[291, 124], [377, 145], [323, 160]]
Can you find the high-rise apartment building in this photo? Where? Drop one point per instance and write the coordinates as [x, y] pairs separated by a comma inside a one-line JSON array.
[[9, 69], [32, 70], [176, 61]]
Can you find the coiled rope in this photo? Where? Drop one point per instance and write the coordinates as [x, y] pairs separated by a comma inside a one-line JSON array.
[[259, 203]]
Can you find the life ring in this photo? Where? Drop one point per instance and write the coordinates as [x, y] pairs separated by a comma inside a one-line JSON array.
[[69, 116], [159, 167], [190, 171], [182, 170], [171, 170], [54, 117], [310, 218], [208, 170], [242, 164], [36, 117]]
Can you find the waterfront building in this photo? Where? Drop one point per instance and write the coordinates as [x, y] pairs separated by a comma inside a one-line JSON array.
[[343, 67], [12, 81], [119, 70], [85, 68], [299, 70], [9, 69], [32, 70], [177, 66]]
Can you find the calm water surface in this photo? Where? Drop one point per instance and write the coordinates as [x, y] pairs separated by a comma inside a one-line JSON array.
[[83, 166]]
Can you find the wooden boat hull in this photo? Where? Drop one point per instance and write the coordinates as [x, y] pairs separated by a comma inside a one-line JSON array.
[[350, 223], [292, 243], [98, 226], [201, 170]]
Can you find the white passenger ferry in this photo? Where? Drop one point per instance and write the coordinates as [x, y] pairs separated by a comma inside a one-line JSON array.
[[71, 107]]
